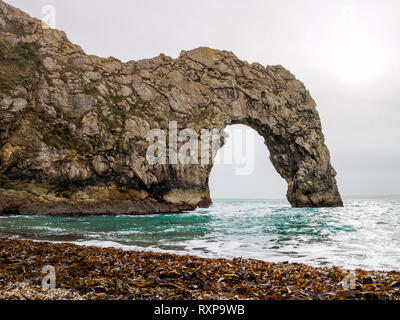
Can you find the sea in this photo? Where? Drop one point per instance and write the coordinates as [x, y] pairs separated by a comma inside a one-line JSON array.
[[365, 233]]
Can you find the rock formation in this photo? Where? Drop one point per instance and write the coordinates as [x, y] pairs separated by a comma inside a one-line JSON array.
[[73, 126]]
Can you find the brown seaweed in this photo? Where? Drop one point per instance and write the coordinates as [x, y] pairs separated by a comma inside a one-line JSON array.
[[110, 273]]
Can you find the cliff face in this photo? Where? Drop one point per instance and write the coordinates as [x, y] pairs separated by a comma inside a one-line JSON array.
[[73, 127]]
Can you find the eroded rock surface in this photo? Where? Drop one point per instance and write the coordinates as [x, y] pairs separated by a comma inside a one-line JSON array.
[[73, 126]]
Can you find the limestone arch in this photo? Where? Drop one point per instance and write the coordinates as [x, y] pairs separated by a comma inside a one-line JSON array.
[[73, 132], [271, 101], [303, 162]]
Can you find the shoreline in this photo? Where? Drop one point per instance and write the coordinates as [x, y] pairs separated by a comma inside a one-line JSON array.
[[133, 248], [94, 273]]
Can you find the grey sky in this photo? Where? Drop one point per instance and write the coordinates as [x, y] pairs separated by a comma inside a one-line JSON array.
[[345, 52]]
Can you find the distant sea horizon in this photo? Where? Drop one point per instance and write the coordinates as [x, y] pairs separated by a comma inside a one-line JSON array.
[[366, 196]]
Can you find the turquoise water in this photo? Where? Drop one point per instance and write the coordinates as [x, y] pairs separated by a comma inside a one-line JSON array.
[[363, 234]]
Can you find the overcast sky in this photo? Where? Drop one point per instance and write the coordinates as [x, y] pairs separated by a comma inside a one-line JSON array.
[[345, 52]]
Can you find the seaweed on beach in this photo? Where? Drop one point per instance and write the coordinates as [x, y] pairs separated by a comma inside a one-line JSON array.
[[110, 273]]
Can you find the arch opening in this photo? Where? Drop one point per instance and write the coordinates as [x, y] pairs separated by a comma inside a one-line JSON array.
[[242, 168]]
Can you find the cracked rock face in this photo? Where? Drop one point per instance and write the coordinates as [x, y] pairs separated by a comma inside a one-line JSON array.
[[73, 127]]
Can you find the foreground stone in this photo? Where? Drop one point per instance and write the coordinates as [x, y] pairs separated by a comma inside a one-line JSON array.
[[96, 273], [73, 127]]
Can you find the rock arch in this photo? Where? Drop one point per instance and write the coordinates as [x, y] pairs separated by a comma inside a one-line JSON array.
[[271, 101], [73, 126]]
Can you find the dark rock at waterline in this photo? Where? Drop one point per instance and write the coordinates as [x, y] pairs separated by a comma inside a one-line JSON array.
[[73, 127]]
